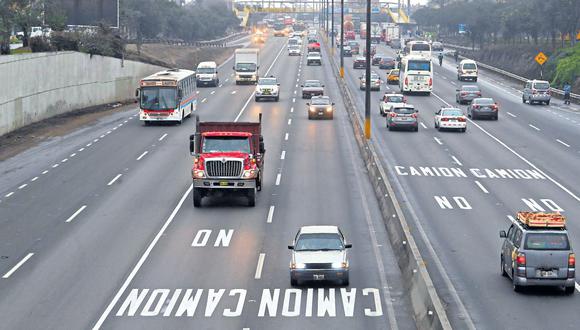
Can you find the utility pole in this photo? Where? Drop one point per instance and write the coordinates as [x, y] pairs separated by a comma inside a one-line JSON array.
[[368, 75], [342, 39], [332, 29]]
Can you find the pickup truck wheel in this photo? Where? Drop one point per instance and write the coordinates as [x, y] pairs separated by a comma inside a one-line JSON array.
[[293, 281], [252, 197], [569, 290], [277, 98], [547, 102], [197, 197]]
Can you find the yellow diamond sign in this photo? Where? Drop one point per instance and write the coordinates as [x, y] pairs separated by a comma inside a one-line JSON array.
[[541, 58]]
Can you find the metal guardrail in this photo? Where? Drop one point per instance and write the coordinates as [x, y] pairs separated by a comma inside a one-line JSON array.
[[573, 97], [221, 42]]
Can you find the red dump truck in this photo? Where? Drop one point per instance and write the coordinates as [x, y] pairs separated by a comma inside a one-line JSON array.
[[228, 158]]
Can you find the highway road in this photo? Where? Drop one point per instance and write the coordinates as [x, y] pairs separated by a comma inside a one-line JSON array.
[[460, 190], [98, 229]]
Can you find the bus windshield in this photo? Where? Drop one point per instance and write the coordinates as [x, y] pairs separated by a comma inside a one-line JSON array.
[[158, 98], [420, 47], [419, 65]]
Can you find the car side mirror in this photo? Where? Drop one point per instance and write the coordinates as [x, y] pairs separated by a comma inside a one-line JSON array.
[[347, 246], [417, 110], [290, 247], [137, 92], [307, 103], [278, 84], [457, 90], [502, 234], [301, 85]]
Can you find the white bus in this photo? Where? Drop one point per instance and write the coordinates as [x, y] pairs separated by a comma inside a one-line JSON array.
[[421, 48], [416, 74], [168, 95]]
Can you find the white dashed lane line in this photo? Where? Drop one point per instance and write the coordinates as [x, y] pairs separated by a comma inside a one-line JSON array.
[[481, 187], [34, 179], [74, 215], [286, 137], [283, 155], [45, 171], [81, 149], [89, 144], [534, 127], [114, 179], [23, 186], [290, 121], [234, 92], [18, 265], [212, 92], [270, 214], [438, 141], [424, 126], [64, 160], [260, 266], [55, 166], [72, 155], [9, 194], [456, 161], [563, 143], [278, 179], [142, 155], [162, 137], [511, 114], [204, 100], [292, 109]]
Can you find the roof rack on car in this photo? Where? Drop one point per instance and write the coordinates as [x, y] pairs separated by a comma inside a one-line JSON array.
[[542, 219]]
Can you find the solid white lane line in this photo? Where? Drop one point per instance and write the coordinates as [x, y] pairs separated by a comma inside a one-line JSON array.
[[278, 178], [72, 155], [481, 187], [286, 137], [270, 214], [511, 114], [292, 109], [18, 265], [34, 179], [108, 132], [81, 149], [139, 264], [438, 141], [162, 137], [9, 194], [534, 127], [564, 143], [89, 144], [283, 155], [424, 126], [253, 93], [258, 274], [142, 155], [96, 140], [23, 186], [212, 92], [74, 215], [456, 161], [102, 136], [290, 121], [293, 100], [45, 171], [114, 179]]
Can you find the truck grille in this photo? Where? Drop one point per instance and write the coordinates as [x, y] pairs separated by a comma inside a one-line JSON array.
[[224, 169], [319, 266]]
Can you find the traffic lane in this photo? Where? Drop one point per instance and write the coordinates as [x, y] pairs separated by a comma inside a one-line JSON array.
[[77, 185], [320, 158], [72, 263], [529, 142]]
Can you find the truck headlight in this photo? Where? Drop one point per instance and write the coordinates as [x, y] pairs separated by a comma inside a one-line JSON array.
[[312, 109], [199, 174], [329, 109], [249, 174], [339, 265], [298, 266]]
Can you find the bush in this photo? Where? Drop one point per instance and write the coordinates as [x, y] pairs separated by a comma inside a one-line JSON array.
[[65, 41], [40, 44], [567, 66]]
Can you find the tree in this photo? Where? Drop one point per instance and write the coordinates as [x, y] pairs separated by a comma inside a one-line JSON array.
[[26, 14]]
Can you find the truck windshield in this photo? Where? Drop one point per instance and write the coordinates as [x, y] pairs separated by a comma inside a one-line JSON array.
[[318, 242], [213, 144], [547, 241], [158, 98], [246, 67]]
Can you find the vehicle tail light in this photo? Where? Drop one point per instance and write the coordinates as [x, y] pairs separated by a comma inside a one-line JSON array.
[[462, 119], [571, 260], [475, 106], [444, 119], [392, 114], [494, 107], [430, 81], [414, 115], [521, 259], [406, 81], [463, 93], [478, 93]]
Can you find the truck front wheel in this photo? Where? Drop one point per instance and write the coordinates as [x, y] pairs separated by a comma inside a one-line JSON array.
[[251, 197], [197, 197]]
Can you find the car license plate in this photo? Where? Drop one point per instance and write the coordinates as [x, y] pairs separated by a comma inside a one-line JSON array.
[[545, 273], [318, 277], [224, 183]]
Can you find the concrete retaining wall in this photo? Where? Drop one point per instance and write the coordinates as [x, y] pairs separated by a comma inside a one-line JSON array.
[[38, 86]]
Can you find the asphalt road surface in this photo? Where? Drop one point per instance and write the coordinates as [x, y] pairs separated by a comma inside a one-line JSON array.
[[98, 229]]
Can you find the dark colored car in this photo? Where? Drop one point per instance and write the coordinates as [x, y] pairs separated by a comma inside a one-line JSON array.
[[387, 63], [359, 63], [376, 60], [483, 107], [467, 93], [354, 47], [346, 51], [312, 88], [320, 107]]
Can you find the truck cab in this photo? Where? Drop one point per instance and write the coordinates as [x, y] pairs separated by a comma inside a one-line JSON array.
[[228, 158]]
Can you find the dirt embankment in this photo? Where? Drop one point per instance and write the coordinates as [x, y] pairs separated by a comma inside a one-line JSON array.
[[184, 57]]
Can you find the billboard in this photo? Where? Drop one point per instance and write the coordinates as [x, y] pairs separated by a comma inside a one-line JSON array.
[[91, 12]]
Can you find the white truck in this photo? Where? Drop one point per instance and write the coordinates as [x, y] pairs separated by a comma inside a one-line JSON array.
[[246, 65], [376, 33], [392, 32]]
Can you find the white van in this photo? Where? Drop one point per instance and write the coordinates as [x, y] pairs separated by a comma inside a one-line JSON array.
[[467, 69], [206, 74]]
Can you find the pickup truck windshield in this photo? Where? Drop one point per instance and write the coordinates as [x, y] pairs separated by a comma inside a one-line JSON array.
[[158, 98], [246, 67], [318, 242], [547, 241], [212, 144]]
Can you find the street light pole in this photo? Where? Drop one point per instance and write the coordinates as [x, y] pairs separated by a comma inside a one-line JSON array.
[[368, 75], [342, 39], [332, 29]]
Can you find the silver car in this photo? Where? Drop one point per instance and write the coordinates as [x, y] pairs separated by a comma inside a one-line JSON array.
[[466, 93], [319, 254], [536, 91]]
